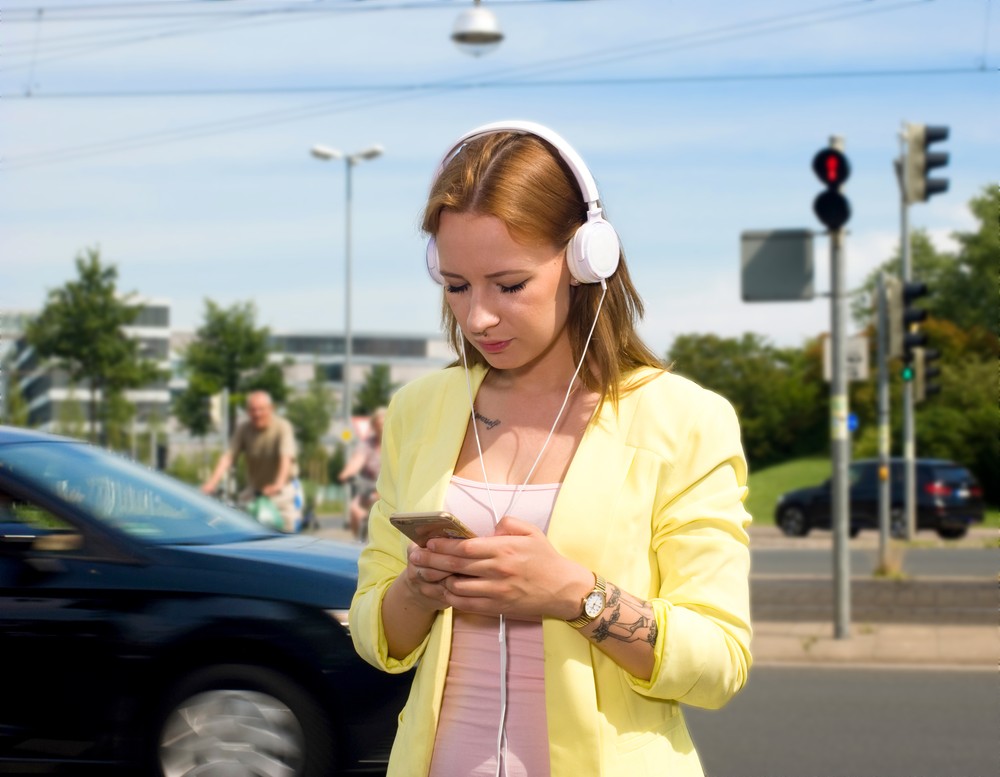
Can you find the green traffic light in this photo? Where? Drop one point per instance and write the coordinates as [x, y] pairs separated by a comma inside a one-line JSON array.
[[907, 372]]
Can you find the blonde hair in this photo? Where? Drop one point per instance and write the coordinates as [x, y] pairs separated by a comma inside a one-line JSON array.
[[521, 180]]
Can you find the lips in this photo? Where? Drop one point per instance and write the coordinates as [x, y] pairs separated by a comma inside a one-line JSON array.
[[494, 346]]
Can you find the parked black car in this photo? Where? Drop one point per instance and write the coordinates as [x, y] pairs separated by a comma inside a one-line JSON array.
[[146, 629], [949, 499]]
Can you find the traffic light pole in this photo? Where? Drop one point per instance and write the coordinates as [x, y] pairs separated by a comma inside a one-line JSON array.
[[840, 450], [839, 439], [884, 450], [833, 210], [909, 435]]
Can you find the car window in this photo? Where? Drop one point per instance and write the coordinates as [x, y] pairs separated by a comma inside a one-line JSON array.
[[52, 533], [125, 495], [863, 475], [952, 474]]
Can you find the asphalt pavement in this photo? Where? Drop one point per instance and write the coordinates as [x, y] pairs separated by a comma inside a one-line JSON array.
[[912, 622]]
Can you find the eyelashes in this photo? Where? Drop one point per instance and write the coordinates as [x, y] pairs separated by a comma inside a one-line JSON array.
[[452, 289]]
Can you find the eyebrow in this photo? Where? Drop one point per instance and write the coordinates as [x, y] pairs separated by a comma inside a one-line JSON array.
[[492, 275]]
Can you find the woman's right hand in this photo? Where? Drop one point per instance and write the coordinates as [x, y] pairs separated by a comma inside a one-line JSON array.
[[412, 603], [424, 583]]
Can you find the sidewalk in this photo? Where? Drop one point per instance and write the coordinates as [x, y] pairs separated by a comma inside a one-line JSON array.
[[812, 641], [891, 644], [879, 633]]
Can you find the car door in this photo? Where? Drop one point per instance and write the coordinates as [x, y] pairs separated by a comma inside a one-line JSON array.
[[864, 494], [58, 592]]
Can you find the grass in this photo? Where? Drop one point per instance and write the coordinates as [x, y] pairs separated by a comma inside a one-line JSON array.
[[767, 484]]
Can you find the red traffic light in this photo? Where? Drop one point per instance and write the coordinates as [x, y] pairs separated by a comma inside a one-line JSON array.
[[831, 167]]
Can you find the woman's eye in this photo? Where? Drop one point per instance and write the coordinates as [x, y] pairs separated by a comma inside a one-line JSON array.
[[451, 289], [513, 289]]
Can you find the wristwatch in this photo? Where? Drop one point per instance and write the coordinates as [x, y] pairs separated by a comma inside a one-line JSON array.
[[593, 604]]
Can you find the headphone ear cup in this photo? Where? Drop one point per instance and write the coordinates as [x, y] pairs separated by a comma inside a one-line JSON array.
[[593, 253], [432, 262]]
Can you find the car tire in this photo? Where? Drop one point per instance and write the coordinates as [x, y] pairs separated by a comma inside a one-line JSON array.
[[952, 532], [233, 720], [793, 521]]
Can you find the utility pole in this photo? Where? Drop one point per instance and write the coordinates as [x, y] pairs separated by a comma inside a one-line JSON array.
[[884, 449], [833, 210], [915, 185]]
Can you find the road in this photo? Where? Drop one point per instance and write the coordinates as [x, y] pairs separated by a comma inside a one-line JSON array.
[[854, 722], [917, 562]]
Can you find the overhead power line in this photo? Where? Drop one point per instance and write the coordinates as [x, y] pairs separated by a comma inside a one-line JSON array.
[[523, 76], [252, 91]]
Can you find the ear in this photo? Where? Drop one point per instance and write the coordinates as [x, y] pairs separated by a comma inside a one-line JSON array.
[[574, 282]]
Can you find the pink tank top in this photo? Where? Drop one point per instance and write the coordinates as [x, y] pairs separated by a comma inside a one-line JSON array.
[[466, 741]]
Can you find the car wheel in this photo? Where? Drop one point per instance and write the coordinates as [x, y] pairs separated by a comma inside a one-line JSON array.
[[242, 721], [793, 522], [952, 532]]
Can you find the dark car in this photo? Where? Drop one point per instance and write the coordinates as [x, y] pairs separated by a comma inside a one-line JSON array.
[[949, 499], [147, 629]]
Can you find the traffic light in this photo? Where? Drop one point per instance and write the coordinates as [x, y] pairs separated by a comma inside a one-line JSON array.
[[910, 318], [830, 206], [919, 162], [924, 373]]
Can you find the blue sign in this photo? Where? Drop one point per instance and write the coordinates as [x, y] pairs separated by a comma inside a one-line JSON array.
[[852, 422]]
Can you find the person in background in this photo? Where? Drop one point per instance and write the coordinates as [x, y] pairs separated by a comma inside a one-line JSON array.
[[362, 470], [608, 581], [267, 442]]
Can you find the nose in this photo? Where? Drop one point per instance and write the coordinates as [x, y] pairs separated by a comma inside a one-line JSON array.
[[481, 314]]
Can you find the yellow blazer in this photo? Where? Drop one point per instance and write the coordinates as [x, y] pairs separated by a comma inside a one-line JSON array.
[[653, 501]]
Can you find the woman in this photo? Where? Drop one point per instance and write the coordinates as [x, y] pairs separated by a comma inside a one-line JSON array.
[[609, 580], [363, 468]]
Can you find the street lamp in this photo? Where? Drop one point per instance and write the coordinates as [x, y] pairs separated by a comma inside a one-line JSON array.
[[326, 154], [477, 31]]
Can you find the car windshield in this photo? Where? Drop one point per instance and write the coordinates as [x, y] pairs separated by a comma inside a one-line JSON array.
[[128, 496]]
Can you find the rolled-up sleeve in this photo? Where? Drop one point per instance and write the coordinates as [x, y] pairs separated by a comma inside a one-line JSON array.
[[701, 545], [380, 563]]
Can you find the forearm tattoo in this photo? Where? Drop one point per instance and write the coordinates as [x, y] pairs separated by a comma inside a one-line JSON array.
[[626, 619]]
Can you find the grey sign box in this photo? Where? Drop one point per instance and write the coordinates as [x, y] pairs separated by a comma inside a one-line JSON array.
[[777, 265]]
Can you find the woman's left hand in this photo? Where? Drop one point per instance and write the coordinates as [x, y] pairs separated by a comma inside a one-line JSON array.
[[516, 573]]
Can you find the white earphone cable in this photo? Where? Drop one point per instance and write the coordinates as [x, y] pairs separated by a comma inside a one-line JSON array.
[[502, 636]]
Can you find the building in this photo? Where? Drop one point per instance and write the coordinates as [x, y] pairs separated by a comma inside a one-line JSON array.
[[49, 393]]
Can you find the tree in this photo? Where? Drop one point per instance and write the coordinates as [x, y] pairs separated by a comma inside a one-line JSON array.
[[375, 392], [15, 407], [229, 351], [71, 420], [961, 422], [82, 325], [310, 414], [778, 393], [968, 294], [963, 286]]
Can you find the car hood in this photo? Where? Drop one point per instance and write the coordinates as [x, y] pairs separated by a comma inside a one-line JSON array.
[[310, 571], [303, 552]]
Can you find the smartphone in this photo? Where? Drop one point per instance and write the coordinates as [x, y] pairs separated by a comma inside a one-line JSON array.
[[421, 527]]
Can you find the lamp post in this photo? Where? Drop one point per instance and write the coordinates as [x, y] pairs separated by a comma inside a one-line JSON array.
[[326, 154]]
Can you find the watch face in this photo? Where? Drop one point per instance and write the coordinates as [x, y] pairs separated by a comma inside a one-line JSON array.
[[594, 604]]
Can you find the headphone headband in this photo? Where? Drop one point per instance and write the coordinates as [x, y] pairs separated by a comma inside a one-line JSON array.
[[593, 251], [569, 155]]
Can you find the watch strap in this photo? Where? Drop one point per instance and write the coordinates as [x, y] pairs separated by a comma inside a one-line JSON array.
[[600, 586]]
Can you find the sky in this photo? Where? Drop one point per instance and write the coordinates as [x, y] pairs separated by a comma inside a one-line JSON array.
[[174, 135]]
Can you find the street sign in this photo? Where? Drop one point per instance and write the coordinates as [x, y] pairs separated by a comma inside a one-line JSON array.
[[856, 357], [777, 265]]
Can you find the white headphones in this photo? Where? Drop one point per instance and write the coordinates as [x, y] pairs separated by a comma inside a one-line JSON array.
[[593, 251]]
